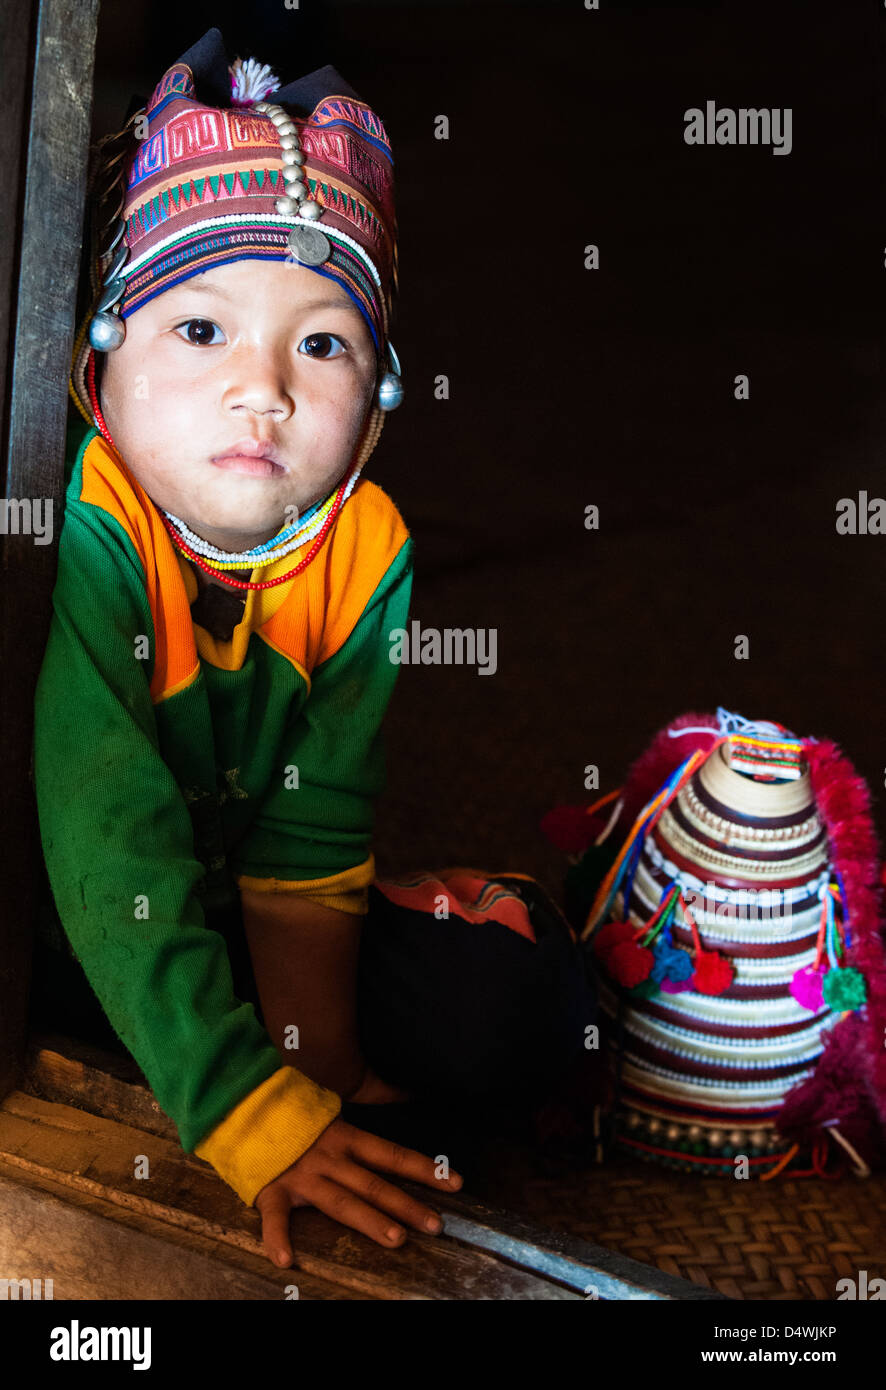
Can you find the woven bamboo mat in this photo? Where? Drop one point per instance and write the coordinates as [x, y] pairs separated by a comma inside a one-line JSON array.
[[777, 1240]]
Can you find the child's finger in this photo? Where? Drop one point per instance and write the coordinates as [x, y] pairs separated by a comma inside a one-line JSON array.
[[389, 1198], [345, 1206], [275, 1207], [395, 1158]]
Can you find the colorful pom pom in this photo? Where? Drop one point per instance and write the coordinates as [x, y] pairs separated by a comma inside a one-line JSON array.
[[645, 989], [806, 987], [676, 986], [611, 934], [713, 974], [629, 963], [670, 962], [570, 828], [844, 989], [680, 968]]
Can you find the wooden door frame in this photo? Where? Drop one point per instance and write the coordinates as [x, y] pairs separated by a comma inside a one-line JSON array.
[[48, 49]]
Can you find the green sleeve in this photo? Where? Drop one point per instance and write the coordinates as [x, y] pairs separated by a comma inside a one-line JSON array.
[[317, 817], [119, 846]]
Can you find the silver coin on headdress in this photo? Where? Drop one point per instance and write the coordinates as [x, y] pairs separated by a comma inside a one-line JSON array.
[[309, 245]]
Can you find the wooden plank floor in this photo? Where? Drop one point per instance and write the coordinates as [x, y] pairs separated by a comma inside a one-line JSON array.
[[146, 1182], [91, 1248], [85, 1151]]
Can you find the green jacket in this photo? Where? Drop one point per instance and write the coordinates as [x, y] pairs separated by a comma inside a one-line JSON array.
[[173, 769]]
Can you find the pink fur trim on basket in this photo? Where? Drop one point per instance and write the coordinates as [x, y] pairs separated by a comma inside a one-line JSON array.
[[848, 1085], [647, 775]]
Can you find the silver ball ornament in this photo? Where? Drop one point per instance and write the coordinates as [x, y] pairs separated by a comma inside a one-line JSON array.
[[106, 332], [390, 392]]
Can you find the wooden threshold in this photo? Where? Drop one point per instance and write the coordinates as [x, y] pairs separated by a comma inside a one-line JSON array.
[[92, 1164], [97, 1194], [92, 1248]]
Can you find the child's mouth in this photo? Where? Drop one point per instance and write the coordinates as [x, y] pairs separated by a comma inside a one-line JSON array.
[[240, 463], [257, 457]]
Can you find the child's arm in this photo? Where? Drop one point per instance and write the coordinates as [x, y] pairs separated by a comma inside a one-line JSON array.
[[119, 848], [304, 957]]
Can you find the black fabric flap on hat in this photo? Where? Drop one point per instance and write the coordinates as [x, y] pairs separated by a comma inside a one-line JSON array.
[[209, 63]]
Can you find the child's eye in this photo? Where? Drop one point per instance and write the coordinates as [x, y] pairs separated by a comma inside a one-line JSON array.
[[200, 331], [319, 344]]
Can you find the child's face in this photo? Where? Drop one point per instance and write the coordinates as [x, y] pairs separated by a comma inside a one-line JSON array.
[[266, 353]]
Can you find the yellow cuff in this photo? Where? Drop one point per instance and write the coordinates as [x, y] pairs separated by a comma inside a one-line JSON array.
[[268, 1130], [348, 891]]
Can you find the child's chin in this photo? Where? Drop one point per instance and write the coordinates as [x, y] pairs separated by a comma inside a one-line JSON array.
[[236, 522], [235, 526]]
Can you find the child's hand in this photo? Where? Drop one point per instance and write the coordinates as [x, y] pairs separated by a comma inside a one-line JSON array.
[[373, 1091], [336, 1176]]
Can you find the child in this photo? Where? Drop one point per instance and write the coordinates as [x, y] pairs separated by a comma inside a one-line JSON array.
[[207, 722]]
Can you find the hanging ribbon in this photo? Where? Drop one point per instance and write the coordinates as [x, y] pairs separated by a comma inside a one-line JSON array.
[[643, 826]]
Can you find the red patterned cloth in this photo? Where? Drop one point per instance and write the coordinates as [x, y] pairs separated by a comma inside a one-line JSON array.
[[466, 893]]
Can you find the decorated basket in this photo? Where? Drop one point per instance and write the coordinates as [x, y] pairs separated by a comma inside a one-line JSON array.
[[732, 918]]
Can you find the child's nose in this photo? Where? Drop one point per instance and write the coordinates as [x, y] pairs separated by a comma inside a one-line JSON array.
[[260, 383]]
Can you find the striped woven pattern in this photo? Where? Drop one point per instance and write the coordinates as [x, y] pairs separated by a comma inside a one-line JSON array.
[[703, 1076]]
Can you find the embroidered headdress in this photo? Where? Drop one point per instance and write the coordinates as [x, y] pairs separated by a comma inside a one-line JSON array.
[[215, 172]]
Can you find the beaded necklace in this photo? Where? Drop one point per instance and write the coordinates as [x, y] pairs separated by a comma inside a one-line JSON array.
[[315, 525], [290, 539]]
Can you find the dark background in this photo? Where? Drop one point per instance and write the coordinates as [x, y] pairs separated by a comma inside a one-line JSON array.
[[612, 387]]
